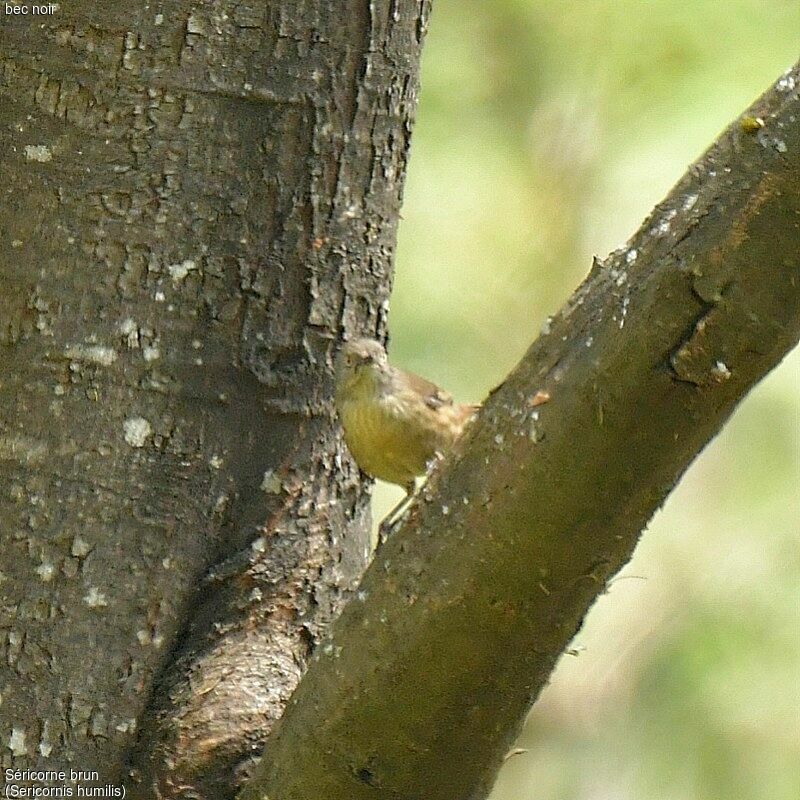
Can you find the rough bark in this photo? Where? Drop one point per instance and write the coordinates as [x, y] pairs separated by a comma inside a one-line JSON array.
[[198, 199], [461, 617]]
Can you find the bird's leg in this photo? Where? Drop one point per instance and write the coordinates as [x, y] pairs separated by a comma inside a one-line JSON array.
[[389, 522]]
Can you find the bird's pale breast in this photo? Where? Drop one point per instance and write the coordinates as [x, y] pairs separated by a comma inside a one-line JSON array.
[[392, 439]]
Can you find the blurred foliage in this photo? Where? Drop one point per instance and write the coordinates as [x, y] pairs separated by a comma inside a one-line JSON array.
[[546, 132]]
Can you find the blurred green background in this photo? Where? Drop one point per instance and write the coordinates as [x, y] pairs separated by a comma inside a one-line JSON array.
[[546, 132]]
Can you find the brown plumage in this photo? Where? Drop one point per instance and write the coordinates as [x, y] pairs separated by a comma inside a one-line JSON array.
[[395, 423]]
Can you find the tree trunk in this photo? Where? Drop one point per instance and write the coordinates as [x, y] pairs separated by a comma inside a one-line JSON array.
[[197, 204]]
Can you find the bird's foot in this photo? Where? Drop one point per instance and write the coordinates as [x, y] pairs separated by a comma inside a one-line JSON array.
[[433, 462]]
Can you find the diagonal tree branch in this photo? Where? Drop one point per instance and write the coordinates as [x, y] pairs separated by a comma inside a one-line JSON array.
[[463, 614]]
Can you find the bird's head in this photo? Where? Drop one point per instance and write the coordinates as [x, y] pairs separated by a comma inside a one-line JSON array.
[[360, 362]]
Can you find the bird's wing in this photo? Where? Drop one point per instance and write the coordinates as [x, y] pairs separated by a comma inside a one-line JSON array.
[[434, 396]]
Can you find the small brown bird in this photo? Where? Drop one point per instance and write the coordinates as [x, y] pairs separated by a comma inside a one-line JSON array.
[[395, 423]]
